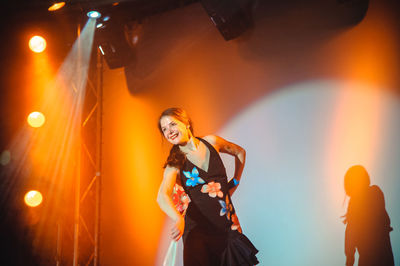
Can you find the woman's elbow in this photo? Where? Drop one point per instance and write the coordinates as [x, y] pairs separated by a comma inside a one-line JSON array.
[[242, 154], [160, 198]]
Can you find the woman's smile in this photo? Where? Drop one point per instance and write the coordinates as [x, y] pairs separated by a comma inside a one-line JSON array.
[[173, 136]]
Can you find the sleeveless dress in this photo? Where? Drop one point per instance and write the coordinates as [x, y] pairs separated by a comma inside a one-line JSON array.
[[212, 234]]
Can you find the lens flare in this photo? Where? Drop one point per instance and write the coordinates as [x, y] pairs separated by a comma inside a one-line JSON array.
[[37, 44], [33, 198], [36, 119]]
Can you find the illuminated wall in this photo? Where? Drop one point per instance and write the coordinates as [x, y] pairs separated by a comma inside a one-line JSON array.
[[306, 94]]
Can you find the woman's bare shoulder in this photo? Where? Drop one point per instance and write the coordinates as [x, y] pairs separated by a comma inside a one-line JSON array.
[[168, 170], [212, 139]]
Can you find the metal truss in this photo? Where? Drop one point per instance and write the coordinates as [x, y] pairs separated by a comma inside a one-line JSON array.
[[88, 185], [78, 238]]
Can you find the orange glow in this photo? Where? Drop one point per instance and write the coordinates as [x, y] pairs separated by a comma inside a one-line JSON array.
[[33, 198], [36, 119], [357, 58], [56, 6], [37, 44], [139, 172]]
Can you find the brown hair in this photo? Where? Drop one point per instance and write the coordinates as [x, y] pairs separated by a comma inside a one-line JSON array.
[[176, 157]]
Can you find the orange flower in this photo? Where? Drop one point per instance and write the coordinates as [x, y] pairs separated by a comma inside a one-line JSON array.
[[213, 189], [236, 224]]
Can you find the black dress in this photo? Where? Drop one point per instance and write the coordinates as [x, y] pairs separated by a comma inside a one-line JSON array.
[[212, 234]]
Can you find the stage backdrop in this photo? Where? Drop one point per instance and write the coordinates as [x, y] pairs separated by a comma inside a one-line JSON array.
[[310, 91]]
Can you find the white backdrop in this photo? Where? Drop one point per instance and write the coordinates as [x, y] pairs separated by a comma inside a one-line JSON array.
[[300, 142]]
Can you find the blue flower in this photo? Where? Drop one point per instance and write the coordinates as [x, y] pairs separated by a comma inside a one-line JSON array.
[[223, 209], [227, 208], [193, 178]]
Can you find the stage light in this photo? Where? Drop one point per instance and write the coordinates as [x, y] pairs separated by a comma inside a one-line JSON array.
[[37, 44], [93, 14], [230, 18], [106, 18], [33, 198], [56, 6], [114, 46], [100, 25], [36, 119]]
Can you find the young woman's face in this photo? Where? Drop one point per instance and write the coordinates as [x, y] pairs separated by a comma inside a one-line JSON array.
[[175, 131]]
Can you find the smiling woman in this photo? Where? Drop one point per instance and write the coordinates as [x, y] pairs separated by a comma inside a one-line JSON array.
[[210, 228]]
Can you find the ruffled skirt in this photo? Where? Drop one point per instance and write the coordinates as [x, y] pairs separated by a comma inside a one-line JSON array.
[[239, 251]]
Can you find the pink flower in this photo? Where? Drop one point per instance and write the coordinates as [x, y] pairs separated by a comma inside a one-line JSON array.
[[213, 189]]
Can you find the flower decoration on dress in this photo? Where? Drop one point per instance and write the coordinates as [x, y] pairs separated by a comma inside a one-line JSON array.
[[213, 189], [235, 223], [180, 198], [193, 177], [226, 208], [223, 207]]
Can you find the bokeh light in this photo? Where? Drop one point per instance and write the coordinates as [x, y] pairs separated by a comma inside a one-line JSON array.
[[33, 198], [5, 157], [37, 44], [36, 119], [56, 6]]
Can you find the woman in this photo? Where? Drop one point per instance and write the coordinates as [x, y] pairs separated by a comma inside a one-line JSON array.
[[210, 228]]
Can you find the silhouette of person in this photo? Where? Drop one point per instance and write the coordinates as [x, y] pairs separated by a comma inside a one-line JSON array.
[[368, 223]]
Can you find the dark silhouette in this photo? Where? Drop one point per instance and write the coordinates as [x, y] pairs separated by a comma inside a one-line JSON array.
[[368, 223]]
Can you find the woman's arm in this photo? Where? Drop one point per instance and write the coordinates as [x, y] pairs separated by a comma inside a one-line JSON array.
[[233, 149], [165, 202]]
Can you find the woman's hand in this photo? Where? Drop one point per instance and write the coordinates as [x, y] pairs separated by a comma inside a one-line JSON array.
[[178, 228]]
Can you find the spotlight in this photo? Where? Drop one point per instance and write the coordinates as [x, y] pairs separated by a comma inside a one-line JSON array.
[[93, 14], [230, 17], [106, 18], [36, 119], [37, 44], [113, 44], [33, 198], [56, 6], [100, 25]]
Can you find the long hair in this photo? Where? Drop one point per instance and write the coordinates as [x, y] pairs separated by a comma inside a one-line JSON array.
[[176, 157]]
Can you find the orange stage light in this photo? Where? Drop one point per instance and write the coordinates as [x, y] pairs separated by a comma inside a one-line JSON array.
[[56, 6], [33, 198], [37, 44], [36, 119]]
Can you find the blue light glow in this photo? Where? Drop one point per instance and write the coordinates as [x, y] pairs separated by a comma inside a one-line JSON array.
[[93, 14]]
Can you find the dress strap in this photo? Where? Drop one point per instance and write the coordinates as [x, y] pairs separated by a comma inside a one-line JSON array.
[[209, 146]]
